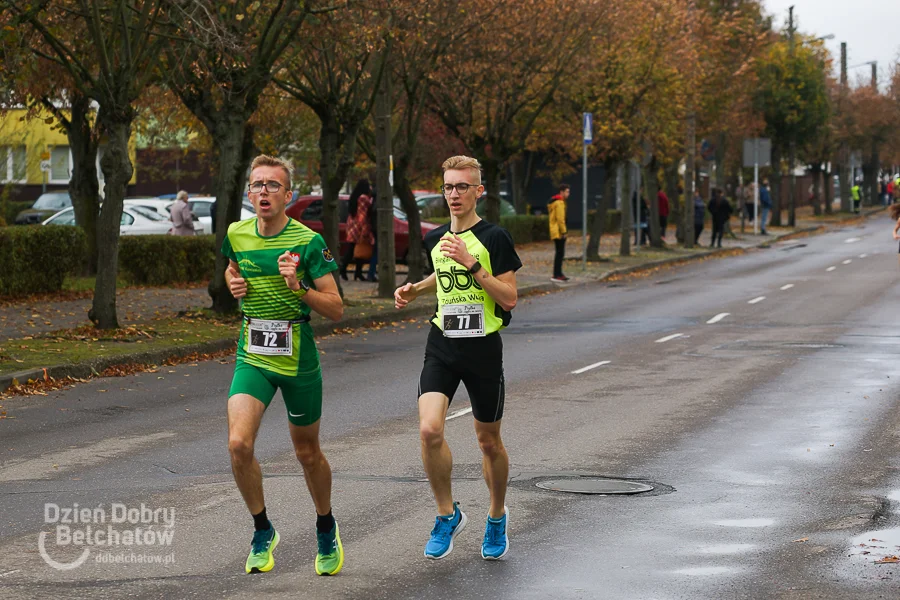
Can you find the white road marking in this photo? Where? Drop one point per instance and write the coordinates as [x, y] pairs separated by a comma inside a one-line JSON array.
[[830, 269], [787, 286], [851, 240], [848, 261], [717, 318], [589, 367], [757, 299], [459, 413], [863, 255], [669, 337]]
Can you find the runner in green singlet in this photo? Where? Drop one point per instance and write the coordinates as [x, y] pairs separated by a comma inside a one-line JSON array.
[[475, 264], [280, 270]]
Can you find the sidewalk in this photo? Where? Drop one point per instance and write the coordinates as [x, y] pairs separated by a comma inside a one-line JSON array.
[[161, 310]]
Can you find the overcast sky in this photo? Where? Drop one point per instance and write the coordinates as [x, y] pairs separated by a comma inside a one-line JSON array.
[[871, 29]]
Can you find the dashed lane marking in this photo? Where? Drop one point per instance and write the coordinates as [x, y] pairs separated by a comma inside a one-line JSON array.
[[848, 261], [589, 367], [851, 240], [830, 269], [669, 337], [717, 318], [757, 299], [459, 413], [863, 255], [787, 286]]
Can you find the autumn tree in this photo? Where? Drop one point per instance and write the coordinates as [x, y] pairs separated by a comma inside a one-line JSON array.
[[111, 62], [497, 83], [219, 65]]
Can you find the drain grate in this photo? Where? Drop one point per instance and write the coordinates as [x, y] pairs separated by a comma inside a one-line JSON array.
[[588, 485]]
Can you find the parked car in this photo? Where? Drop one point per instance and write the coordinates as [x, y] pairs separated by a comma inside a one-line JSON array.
[[200, 206], [435, 206], [308, 210], [45, 206], [136, 220], [161, 207]]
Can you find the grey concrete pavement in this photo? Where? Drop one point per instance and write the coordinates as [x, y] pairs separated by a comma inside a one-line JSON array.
[[774, 423]]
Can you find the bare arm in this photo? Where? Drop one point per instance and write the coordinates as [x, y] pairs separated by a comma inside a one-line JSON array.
[[325, 299], [407, 293], [896, 229], [502, 288]]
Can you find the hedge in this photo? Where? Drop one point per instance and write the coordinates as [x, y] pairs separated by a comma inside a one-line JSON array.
[[165, 259], [37, 259], [11, 209]]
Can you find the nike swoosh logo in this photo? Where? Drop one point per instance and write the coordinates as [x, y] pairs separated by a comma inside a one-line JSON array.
[[293, 415]]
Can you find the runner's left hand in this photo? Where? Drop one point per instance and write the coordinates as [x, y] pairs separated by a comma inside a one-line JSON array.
[[288, 269], [452, 246]]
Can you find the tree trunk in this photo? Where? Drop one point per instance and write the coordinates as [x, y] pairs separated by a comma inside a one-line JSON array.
[[415, 253], [652, 187], [775, 188], [234, 149], [829, 190], [84, 187], [625, 238], [117, 170], [521, 171], [599, 224], [671, 175], [690, 147], [817, 189], [792, 196], [492, 183], [332, 182]]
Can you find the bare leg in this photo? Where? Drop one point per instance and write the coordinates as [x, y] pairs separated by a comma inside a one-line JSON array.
[[435, 452], [494, 464], [244, 416], [316, 469]]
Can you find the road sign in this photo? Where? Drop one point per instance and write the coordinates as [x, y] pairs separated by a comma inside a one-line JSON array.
[[707, 150], [588, 128], [45, 165], [45, 155], [757, 152]]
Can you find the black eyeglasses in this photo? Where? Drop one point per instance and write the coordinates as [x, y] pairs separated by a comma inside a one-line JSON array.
[[462, 188], [271, 186]]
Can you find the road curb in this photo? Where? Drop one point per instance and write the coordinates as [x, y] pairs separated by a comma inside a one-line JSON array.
[[93, 367]]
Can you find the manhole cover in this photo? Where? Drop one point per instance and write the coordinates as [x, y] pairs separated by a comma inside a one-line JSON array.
[[584, 485]]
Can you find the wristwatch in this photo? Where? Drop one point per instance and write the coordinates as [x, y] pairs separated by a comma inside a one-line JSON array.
[[304, 287], [475, 268]]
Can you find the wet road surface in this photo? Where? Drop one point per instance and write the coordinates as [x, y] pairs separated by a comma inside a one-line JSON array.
[[758, 393]]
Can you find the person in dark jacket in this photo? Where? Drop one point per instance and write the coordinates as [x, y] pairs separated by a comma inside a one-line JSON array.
[[699, 214], [720, 209], [765, 202]]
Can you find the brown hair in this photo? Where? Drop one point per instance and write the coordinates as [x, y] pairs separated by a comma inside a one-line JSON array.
[[462, 162], [563, 187], [895, 211], [264, 160]]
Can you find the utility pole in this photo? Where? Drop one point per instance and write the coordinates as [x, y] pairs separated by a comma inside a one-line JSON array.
[[844, 151], [874, 188], [387, 276], [792, 196]]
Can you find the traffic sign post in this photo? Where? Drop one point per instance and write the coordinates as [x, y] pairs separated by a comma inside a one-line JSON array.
[[587, 128], [757, 152]]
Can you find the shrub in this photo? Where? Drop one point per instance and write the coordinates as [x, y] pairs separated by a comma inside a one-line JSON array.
[[527, 228], [165, 259], [11, 209], [37, 258]]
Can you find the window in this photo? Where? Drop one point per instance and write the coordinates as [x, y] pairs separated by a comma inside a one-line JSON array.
[[201, 209], [60, 164], [66, 217], [313, 212], [12, 164], [126, 219]]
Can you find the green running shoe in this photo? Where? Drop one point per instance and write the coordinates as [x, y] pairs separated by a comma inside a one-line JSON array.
[[261, 549], [330, 558]]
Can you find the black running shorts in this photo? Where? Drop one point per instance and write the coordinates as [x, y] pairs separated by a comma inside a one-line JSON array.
[[477, 362]]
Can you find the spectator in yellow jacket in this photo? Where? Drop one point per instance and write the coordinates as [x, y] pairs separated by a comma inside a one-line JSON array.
[[557, 210]]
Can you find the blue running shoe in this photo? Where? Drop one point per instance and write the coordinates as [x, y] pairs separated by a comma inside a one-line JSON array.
[[496, 542], [445, 529]]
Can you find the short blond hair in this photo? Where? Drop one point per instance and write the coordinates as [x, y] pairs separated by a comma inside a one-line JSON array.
[[457, 163], [264, 160]]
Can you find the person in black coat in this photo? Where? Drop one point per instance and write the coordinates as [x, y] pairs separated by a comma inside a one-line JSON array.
[[720, 209]]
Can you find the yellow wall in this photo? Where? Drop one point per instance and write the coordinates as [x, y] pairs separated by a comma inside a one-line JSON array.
[[38, 137]]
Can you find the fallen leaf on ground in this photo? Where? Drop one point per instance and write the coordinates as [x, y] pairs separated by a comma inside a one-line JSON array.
[[888, 559], [806, 539]]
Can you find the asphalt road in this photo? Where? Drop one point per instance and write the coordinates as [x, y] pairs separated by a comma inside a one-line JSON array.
[[771, 435]]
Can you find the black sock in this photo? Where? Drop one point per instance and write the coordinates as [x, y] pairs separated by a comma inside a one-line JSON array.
[[324, 523], [261, 521]]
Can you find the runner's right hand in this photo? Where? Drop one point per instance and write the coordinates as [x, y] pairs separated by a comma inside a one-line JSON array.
[[237, 285], [403, 295]]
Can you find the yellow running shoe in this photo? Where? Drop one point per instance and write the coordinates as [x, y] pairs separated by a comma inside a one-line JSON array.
[[330, 558], [262, 547]]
